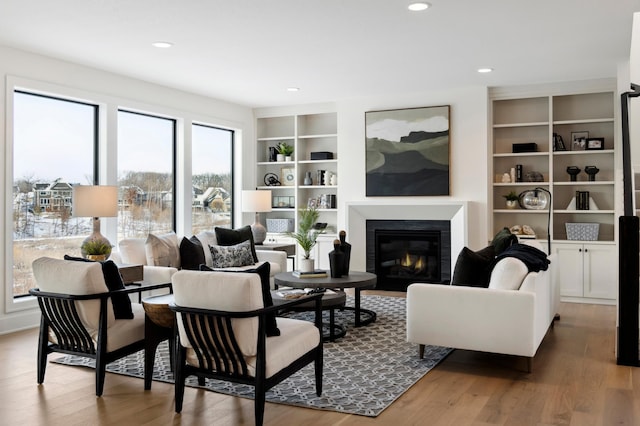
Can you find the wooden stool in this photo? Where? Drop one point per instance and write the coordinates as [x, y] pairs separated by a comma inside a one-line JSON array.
[[159, 323]]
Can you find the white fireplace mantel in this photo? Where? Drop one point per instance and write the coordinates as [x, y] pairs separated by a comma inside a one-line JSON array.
[[359, 212]]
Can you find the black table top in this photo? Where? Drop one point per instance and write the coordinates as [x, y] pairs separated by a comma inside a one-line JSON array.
[[355, 279]]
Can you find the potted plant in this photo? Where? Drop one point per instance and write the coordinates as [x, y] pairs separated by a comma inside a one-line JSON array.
[[512, 199], [285, 150], [306, 236], [96, 249]]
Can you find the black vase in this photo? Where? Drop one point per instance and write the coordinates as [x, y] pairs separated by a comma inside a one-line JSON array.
[[345, 247], [336, 260]]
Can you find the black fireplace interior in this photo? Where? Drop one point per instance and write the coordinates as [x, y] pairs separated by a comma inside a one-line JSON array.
[[400, 252]]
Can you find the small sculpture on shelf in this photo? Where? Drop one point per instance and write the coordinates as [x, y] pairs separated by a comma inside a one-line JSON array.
[[573, 173], [592, 171]]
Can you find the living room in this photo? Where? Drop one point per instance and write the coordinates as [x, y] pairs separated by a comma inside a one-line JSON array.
[[470, 185]]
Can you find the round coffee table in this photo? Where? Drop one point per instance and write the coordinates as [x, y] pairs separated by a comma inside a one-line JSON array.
[[330, 301], [357, 280]]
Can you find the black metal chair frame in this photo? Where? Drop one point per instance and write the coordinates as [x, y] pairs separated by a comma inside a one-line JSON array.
[[60, 315], [222, 358]]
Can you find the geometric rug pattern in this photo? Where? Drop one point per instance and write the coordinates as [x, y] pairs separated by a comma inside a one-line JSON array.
[[364, 372]]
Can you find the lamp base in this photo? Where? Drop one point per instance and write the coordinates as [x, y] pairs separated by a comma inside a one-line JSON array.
[[259, 231], [96, 244]]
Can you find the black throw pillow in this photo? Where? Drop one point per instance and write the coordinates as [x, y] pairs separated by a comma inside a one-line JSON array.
[[191, 253], [264, 270], [112, 278], [231, 237], [473, 269], [502, 240]]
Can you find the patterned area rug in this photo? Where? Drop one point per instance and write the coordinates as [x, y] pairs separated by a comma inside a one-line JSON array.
[[364, 372]]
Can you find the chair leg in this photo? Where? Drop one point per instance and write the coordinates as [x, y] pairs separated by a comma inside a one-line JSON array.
[[260, 397], [42, 351], [421, 351], [179, 377], [101, 370], [318, 370]]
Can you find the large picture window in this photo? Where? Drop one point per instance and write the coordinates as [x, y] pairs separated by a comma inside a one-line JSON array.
[[146, 169], [211, 177], [54, 146]]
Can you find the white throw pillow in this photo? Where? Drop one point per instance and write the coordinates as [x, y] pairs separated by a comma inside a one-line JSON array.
[[207, 238], [132, 251], [162, 250], [508, 274]]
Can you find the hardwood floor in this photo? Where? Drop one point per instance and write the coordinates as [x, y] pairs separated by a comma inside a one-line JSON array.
[[575, 381]]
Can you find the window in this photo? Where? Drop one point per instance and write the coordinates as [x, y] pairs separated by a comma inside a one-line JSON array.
[[146, 152], [211, 177], [54, 146]]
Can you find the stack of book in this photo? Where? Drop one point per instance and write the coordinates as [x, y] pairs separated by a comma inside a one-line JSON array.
[[318, 273], [582, 200]]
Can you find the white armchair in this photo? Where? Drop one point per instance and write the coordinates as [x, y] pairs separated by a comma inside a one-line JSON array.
[[494, 319], [223, 334], [78, 317]]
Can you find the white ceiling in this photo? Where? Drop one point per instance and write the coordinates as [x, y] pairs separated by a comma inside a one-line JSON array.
[[250, 51]]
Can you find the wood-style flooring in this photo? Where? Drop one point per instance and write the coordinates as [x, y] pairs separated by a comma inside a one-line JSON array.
[[575, 381]]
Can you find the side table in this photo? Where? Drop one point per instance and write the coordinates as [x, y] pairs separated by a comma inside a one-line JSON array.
[[159, 325]]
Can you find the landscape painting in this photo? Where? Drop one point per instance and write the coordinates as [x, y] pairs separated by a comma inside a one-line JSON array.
[[408, 151]]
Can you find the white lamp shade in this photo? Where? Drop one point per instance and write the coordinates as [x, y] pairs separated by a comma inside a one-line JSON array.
[[95, 201], [256, 201]]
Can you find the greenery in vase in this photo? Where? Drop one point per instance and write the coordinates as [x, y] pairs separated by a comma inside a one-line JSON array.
[[284, 149], [96, 247], [511, 196], [306, 236]]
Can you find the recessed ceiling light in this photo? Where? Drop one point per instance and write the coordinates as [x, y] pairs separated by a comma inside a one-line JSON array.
[[293, 89], [162, 44], [417, 7], [485, 70]]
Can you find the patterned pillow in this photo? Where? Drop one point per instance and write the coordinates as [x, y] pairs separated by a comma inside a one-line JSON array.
[[228, 256], [230, 237]]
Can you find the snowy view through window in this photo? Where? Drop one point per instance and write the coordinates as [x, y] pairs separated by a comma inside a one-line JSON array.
[[54, 141]]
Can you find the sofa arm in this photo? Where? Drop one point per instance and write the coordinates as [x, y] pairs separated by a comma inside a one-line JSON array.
[[274, 257], [480, 319]]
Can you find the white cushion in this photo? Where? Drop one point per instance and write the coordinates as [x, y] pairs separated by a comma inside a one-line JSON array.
[[74, 278], [132, 251], [162, 250], [207, 238], [296, 339], [224, 291], [508, 274]]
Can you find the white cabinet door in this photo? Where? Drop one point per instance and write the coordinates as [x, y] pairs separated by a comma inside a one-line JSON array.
[[600, 271], [323, 246], [569, 269]]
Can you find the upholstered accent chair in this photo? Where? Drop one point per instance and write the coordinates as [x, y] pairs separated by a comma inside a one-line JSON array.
[[223, 334], [78, 315]]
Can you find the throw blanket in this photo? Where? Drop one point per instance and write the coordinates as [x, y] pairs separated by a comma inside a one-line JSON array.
[[535, 259]]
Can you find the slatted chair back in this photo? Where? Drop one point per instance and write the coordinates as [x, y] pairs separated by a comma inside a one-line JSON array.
[[77, 279], [221, 291]]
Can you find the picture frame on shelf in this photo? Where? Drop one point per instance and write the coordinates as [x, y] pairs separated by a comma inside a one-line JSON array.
[[287, 176], [312, 203], [595, 143], [579, 140]]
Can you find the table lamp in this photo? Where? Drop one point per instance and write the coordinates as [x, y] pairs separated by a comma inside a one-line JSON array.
[[95, 201], [256, 201]]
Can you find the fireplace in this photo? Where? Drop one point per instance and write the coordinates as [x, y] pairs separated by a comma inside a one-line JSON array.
[[400, 252]]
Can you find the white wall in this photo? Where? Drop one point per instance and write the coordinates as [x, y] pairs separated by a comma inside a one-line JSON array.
[[112, 91], [468, 151]]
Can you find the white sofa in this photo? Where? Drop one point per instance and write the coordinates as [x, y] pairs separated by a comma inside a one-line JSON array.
[[493, 319], [133, 251]]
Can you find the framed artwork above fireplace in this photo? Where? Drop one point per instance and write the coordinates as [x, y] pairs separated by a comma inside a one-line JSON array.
[[407, 151]]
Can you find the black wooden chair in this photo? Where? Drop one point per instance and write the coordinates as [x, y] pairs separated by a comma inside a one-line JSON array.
[[78, 318], [222, 334]]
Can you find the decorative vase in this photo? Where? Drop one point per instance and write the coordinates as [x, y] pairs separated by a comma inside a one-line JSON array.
[[307, 179], [97, 257], [336, 260], [288, 158], [307, 265], [279, 157], [512, 204], [345, 247]]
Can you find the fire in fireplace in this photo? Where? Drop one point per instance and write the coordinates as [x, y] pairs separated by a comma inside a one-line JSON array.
[[408, 251]]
